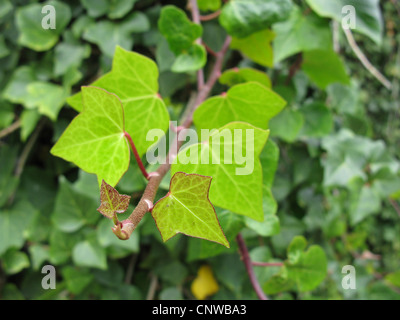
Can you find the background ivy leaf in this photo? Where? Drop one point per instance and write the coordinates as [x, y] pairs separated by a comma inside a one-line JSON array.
[[318, 120], [227, 189], [241, 18], [328, 61], [119, 33], [115, 9], [292, 35], [249, 102], [95, 139], [234, 76], [181, 34], [89, 253], [306, 268], [14, 261], [111, 201], [257, 47], [134, 79], [368, 14], [13, 222], [212, 5], [49, 98], [77, 279], [73, 209], [179, 31], [29, 22], [194, 59], [186, 209]]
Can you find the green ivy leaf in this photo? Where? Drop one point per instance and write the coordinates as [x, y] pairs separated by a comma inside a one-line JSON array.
[[8, 182], [73, 209], [194, 59], [69, 55], [77, 279], [306, 268], [292, 35], [111, 201], [118, 33], [47, 97], [287, 125], [256, 47], [14, 261], [249, 102], [393, 278], [13, 223], [318, 120], [231, 223], [233, 188], [6, 114], [348, 155], [365, 201], [240, 18], [186, 209], [327, 61], [134, 79], [236, 76], [209, 5], [89, 253], [179, 31], [270, 225], [16, 90], [29, 119], [115, 9], [95, 139], [29, 22], [368, 14]]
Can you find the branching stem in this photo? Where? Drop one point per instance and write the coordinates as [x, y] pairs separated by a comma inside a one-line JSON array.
[[248, 264]]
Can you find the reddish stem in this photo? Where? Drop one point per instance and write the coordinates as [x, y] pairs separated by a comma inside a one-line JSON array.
[[267, 264], [248, 264], [210, 16], [136, 154], [209, 50]]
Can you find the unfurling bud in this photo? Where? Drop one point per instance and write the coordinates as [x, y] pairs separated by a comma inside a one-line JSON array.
[[124, 229]]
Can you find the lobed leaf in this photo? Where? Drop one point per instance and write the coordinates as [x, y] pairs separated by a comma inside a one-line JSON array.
[[237, 184], [249, 102], [95, 139], [111, 201], [134, 79], [186, 209]]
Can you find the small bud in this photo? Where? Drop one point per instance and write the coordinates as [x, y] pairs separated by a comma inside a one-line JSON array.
[[124, 229]]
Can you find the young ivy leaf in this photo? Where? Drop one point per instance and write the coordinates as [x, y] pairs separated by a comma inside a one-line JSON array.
[[95, 140], [231, 156], [111, 201], [134, 79], [249, 102], [186, 209], [181, 34]]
